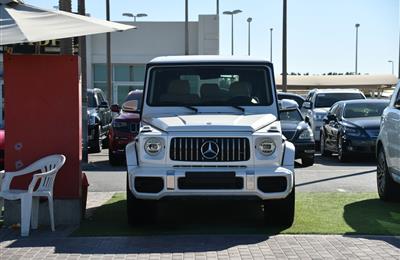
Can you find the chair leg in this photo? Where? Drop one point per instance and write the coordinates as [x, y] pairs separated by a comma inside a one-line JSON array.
[[26, 207], [35, 213], [51, 211]]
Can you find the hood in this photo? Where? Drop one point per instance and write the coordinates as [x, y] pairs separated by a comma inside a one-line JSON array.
[[128, 116], [365, 122], [210, 122]]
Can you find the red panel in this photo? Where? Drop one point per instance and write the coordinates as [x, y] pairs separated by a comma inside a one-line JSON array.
[[43, 116]]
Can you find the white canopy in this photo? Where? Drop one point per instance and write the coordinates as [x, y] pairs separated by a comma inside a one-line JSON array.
[[20, 23]]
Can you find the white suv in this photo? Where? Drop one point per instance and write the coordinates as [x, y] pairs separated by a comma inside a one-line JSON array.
[[210, 128], [388, 151], [319, 101]]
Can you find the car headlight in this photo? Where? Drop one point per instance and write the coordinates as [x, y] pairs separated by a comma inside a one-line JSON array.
[[306, 134], [319, 116], [117, 124], [267, 146], [351, 131], [153, 146]]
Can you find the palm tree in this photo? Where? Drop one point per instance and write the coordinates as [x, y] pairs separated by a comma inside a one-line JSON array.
[[66, 45]]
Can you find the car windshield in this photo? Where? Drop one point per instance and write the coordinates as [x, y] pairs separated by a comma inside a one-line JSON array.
[[135, 96], [290, 115], [91, 100], [210, 86], [364, 109], [328, 99]]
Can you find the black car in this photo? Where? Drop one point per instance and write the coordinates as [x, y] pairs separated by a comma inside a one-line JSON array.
[[352, 127], [298, 132], [99, 120], [291, 96]]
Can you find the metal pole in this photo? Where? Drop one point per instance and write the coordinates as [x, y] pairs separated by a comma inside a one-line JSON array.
[[109, 64], [356, 65], [186, 27], [66, 45], [134, 19], [82, 54], [392, 63], [232, 37], [398, 76], [249, 36], [270, 51], [217, 7], [284, 48]]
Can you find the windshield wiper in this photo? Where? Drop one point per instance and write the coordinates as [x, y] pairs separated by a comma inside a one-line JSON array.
[[192, 108], [239, 108]]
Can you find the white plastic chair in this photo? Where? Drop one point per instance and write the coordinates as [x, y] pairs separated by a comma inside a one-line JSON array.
[[48, 166]]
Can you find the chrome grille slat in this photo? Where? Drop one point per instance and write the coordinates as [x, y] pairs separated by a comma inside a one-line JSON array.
[[232, 149]]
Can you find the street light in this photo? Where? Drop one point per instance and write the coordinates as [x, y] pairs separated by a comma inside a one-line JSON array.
[[270, 44], [357, 26], [284, 47], [249, 43], [232, 13], [390, 61], [134, 15]]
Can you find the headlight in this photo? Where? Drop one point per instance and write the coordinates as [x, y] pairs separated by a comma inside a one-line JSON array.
[[267, 146], [351, 131], [117, 124], [153, 146], [306, 134], [319, 116]]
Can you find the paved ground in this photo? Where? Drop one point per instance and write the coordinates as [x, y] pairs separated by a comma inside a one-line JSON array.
[[327, 174]]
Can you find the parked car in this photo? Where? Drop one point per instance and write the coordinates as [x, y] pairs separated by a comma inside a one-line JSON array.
[[210, 127], [319, 101], [299, 99], [388, 151], [298, 131], [99, 120], [124, 128], [352, 127]]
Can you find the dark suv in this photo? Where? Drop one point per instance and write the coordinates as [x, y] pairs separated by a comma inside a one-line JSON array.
[[124, 128], [99, 120]]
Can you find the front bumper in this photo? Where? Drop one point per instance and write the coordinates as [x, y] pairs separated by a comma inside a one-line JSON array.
[[250, 182], [304, 149], [357, 145]]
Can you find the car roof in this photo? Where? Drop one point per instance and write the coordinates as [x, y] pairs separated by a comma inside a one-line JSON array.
[[338, 90], [365, 101], [207, 58]]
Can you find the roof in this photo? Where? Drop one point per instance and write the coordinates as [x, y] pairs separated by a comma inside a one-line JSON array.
[[365, 101], [207, 58], [337, 90]]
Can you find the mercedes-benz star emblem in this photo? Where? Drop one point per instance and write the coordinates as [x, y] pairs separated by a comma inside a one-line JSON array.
[[209, 150]]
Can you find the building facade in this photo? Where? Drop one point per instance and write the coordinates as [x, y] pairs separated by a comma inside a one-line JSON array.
[[132, 49]]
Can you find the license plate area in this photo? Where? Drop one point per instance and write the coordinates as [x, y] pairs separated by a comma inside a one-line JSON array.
[[210, 181]]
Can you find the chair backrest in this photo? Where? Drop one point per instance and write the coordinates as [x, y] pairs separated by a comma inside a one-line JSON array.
[[50, 165]]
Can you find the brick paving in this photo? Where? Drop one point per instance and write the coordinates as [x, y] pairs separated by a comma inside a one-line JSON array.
[[47, 245]]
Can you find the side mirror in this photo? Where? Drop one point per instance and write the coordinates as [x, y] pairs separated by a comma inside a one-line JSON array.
[[115, 108], [307, 105], [130, 106], [287, 104], [103, 104]]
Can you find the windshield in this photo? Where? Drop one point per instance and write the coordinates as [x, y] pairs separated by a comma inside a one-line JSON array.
[[91, 100], [364, 109], [210, 86], [290, 115], [328, 99], [135, 96]]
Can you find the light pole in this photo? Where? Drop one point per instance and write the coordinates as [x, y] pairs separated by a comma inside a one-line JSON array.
[[390, 61], [357, 26], [186, 27], [249, 42], [232, 13], [108, 50], [134, 16], [270, 44], [284, 47], [217, 7]]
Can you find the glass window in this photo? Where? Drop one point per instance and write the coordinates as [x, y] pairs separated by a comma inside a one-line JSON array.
[[290, 115], [203, 86], [122, 73], [92, 102], [100, 72], [138, 73], [355, 110], [328, 99]]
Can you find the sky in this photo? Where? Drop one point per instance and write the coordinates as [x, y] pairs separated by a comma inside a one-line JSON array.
[[321, 33]]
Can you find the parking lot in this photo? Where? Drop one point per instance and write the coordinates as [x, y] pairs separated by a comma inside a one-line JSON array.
[[326, 175]]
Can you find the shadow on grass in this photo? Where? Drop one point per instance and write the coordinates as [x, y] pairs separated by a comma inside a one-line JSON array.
[[374, 215], [183, 218]]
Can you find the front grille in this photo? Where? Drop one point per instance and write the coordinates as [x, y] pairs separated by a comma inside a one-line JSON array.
[[223, 149]]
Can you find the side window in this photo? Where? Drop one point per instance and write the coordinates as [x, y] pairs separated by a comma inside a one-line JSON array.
[[340, 111], [334, 110], [100, 98]]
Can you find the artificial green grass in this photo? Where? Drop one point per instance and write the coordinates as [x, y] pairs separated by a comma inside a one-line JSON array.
[[316, 213]]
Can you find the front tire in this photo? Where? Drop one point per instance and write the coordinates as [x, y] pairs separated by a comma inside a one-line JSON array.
[[388, 189], [343, 156], [280, 212], [113, 159], [139, 211], [95, 145]]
